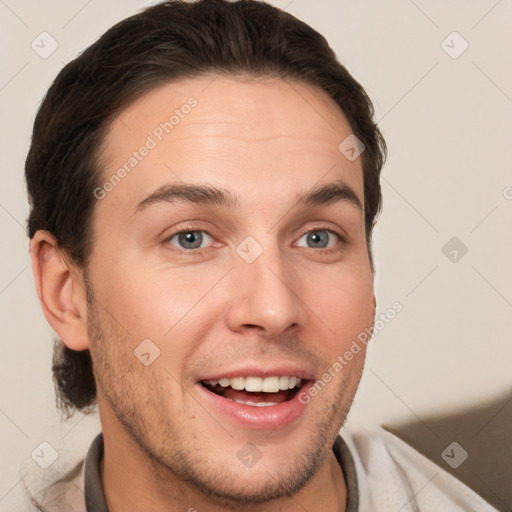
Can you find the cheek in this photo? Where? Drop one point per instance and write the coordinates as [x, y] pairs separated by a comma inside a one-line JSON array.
[[344, 302], [150, 299], [170, 307]]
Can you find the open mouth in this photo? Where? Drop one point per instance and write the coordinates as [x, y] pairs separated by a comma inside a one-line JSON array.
[[256, 391]]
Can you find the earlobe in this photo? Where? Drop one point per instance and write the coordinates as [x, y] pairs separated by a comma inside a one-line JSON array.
[[61, 291]]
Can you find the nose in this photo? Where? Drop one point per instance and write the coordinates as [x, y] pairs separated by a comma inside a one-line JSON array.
[[265, 296]]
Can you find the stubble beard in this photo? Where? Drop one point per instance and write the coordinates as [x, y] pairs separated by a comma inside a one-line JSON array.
[[172, 455]]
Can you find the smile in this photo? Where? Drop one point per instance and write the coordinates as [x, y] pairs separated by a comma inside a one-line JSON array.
[[255, 391], [254, 402]]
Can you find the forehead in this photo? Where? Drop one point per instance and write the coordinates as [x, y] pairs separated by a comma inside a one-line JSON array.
[[261, 138]]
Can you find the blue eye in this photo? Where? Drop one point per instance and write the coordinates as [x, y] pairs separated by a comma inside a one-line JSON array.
[[189, 239], [319, 238], [195, 239]]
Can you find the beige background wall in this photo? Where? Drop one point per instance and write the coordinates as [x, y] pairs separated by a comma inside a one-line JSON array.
[[448, 125]]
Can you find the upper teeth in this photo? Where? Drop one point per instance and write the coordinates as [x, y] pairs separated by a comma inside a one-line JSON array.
[[255, 384]]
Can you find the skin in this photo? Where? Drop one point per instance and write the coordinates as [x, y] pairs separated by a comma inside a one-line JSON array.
[[264, 140]]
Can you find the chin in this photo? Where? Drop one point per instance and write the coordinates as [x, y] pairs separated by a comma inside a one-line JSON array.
[[255, 486], [231, 483]]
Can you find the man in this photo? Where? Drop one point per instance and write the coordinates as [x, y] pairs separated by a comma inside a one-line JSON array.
[[204, 181]]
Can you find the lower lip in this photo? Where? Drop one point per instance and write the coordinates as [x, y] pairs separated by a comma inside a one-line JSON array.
[[264, 418]]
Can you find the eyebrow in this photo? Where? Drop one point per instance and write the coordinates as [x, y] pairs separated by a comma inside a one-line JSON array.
[[209, 195]]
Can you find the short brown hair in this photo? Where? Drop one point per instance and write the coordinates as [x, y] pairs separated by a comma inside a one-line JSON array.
[[162, 44]]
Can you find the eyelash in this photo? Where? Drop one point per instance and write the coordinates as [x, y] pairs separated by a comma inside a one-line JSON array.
[[199, 251]]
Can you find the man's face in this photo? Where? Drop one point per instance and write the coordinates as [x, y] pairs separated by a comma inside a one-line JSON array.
[[264, 287]]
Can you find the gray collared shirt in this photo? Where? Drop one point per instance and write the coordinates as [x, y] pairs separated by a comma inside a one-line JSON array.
[[382, 474]]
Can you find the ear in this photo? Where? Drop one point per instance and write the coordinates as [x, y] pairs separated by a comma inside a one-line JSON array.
[[61, 291]]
